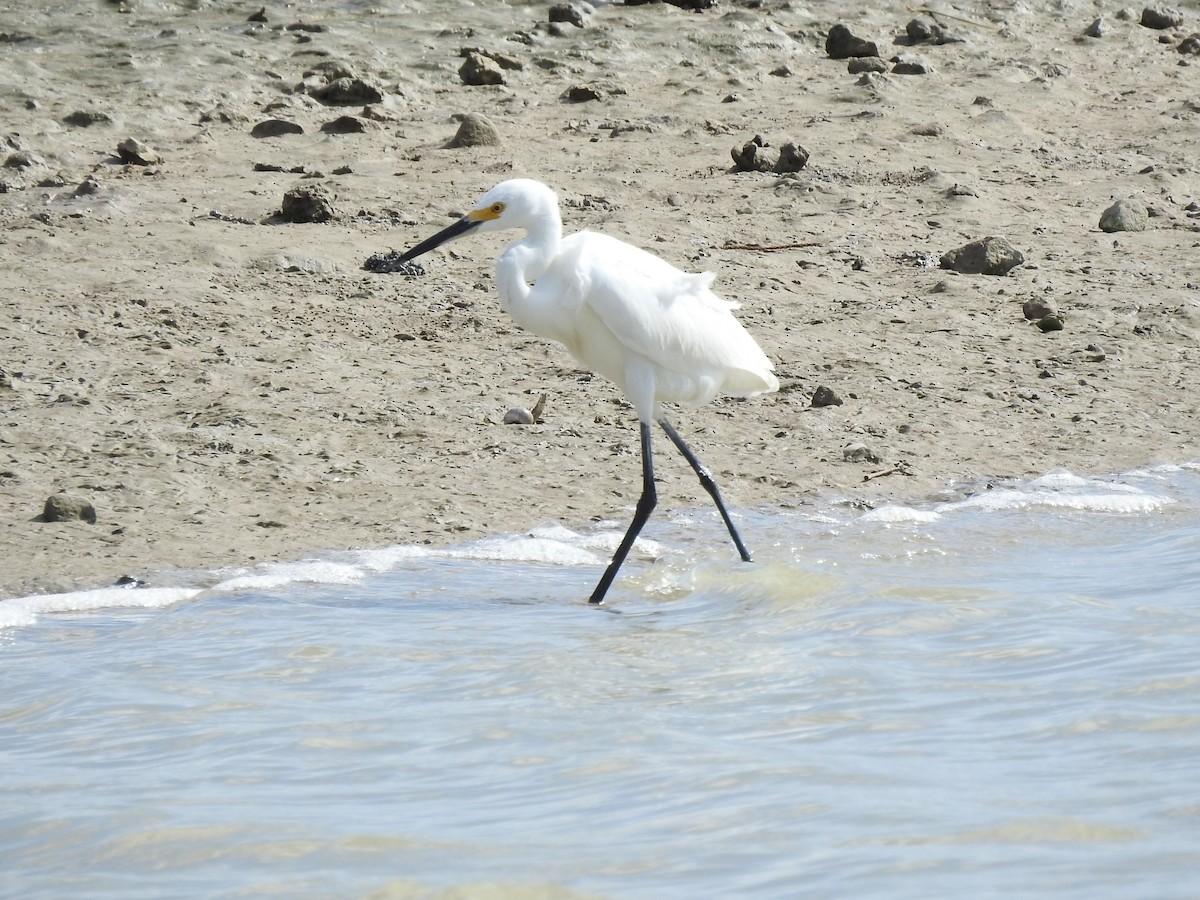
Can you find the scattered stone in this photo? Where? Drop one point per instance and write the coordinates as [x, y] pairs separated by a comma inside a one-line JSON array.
[[986, 256], [310, 203], [269, 128], [860, 64], [503, 60], [1124, 215], [345, 125], [783, 71], [567, 12], [756, 155], [583, 93], [480, 70], [860, 453], [23, 159], [392, 261], [260, 16], [68, 508], [518, 416], [910, 65], [129, 581], [475, 130], [348, 92], [87, 187], [136, 153], [1190, 45], [86, 118], [1050, 323], [309, 27], [920, 30], [1160, 17], [1095, 30], [841, 44], [1038, 308], [824, 396]]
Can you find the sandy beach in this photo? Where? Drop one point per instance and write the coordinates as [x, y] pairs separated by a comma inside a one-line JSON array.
[[226, 387]]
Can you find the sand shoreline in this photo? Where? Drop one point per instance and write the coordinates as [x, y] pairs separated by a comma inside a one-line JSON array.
[[231, 389]]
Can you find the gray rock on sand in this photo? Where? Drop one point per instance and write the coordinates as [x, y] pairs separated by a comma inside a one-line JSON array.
[[68, 508], [475, 130], [310, 203], [756, 155], [1037, 308], [348, 91], [860, 64], [986, 256], [86, 118], [1124, 215], [1161, 17], [137, 153], [568, 12], [480, 70], [841, 44], [857, 452], [269, 128], [824, 396]]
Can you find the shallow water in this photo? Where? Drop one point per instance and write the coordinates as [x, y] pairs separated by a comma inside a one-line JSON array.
[[990, 695]]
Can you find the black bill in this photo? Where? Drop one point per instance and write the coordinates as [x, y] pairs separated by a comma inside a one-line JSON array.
[[458, 229]]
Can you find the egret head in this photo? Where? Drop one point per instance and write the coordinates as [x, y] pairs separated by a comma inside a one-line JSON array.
[[518, 203]]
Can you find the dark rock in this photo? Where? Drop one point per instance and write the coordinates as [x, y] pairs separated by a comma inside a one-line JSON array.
[[86, 118], [859, 64], [567, 12], [1038, 308], [824, 396], [134, 152], [756, 155], [68, 508], [1190, 45], [986, 256], [792, 158], [22, 159], [475, 130], [503, 60], [910, 65], [1095, 30], [348, 92], [87, 187], [1050, 323], [345, 125], [860, 453], [583, 93], [921, 29], [309, 27], [480, 70], [1124, 215], [269, 128], [392, 261], [1160, 17], [841, 44], [310, 203], [260, 16]]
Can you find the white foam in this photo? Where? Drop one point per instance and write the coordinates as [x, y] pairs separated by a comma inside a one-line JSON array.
[[893, 514], [309, 571], [516, 548], [1109, 502], [25, 610]]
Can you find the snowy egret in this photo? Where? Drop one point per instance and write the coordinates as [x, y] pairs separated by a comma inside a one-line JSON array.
[[660, 334]]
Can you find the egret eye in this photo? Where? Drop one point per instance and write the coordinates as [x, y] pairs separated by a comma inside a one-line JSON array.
[[497, 208]]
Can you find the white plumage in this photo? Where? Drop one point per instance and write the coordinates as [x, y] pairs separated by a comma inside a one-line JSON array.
[[660, 334]]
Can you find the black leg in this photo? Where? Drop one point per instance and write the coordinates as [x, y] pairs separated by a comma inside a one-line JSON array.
[[709, 485], [645, 506]]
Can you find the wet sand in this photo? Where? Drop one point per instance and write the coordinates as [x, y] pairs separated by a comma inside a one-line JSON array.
[[226, 388]]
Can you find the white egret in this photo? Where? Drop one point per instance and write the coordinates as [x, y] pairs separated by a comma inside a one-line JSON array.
[[660, 334]]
